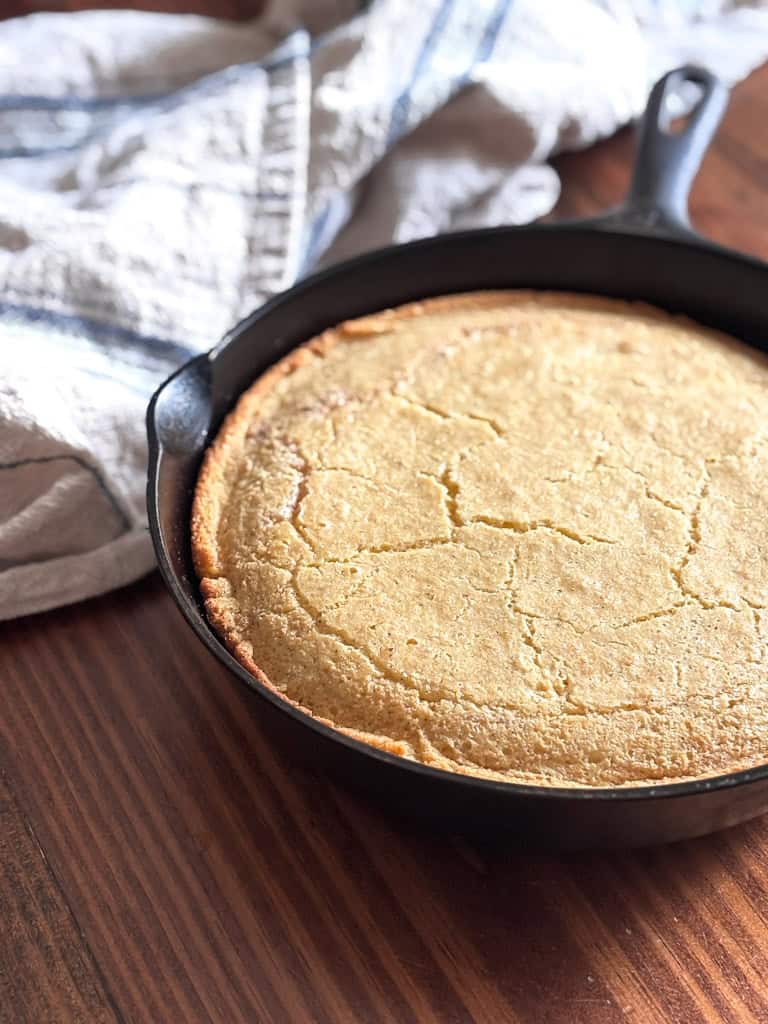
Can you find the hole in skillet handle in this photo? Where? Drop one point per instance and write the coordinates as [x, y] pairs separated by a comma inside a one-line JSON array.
[[667, 161], [677, 108]]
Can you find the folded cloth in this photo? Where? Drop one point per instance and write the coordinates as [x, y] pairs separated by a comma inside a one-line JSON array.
[[161, 175]]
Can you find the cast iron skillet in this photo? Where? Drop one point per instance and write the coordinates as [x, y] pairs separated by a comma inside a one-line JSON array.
[[645, 249]]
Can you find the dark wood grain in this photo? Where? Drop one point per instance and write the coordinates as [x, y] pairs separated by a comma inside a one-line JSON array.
[[195, 872], [47, 971]]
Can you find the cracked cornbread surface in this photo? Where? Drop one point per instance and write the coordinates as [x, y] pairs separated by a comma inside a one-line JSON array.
[[513, 534]]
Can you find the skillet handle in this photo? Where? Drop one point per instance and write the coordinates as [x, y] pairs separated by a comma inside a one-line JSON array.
[[667, 162]]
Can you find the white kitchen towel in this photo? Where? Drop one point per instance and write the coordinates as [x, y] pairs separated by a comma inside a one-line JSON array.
[[161, 175]]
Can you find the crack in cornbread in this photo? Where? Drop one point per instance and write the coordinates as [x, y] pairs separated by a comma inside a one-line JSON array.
[[511, 534]]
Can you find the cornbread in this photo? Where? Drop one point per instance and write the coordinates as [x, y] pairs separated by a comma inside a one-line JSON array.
[[513, 534]]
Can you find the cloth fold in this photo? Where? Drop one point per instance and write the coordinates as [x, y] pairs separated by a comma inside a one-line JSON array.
[[162, 175]]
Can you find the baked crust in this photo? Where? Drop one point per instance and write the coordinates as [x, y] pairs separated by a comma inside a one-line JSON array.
[[632, 641]]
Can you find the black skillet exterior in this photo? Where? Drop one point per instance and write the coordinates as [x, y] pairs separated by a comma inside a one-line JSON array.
[[645, 250]]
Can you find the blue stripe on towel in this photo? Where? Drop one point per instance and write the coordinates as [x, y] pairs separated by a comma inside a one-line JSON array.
[[24, 152], [107, 112], [296, 45], [402, 105], [490, 35], [96, 330], [316, 241]]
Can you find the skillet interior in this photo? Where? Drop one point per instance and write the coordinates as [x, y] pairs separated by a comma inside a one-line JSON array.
[[682, 275]]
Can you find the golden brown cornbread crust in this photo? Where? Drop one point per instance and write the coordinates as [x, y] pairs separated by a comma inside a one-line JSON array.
[[512, 534]]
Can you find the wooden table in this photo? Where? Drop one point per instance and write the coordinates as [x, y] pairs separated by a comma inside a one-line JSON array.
[[161, 863]]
